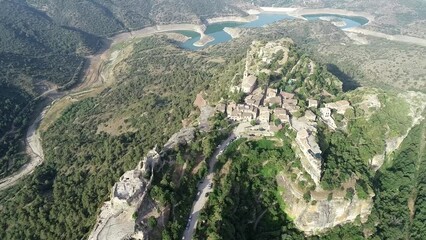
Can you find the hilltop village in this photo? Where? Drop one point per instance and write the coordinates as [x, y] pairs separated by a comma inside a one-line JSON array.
[[266, 108], [282, 97]]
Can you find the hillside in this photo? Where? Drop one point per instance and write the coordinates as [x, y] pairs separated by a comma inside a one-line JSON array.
[[375, 62], [44, 44], [151, 88], [109, 134], [108, 17], [316, 160], [406, 17], [36, 54], [317, 156]]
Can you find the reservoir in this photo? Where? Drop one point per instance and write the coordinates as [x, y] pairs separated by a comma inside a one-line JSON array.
[[220, 36], [350, 21]]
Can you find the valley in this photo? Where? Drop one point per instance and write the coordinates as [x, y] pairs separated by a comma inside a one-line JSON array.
[[245, 123]]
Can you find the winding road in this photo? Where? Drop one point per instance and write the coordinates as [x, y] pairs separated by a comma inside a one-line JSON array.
[[204, 189]]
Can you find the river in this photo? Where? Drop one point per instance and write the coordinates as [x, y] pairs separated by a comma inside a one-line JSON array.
[[216, 30]]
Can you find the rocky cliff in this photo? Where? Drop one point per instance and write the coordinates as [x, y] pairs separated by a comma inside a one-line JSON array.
[[116, 219], [321, 213]]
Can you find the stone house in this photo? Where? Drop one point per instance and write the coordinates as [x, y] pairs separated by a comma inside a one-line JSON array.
[[287, 95], [310, 116], [273, 101], [340, 106], [312, 103], [271, 92], [325, 112], [248, 84], [282, 115], [264, 115]]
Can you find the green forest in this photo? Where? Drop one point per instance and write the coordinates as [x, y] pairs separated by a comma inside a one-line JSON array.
[[244, 203], [348, 152], [60, 200], [46, 41], [88, 148], [34, 50]]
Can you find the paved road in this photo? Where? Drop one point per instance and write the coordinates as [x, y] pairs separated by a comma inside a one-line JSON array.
[[204, 188]]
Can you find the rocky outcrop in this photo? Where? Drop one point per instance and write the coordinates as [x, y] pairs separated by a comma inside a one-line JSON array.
[[311, 154], [320, 214], [116, 218], [417, 105], [184, 136], [316, 218]]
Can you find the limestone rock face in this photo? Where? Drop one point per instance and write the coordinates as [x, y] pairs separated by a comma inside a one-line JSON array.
[[115, 220], [316, 218], [311, 159], [184, 136]]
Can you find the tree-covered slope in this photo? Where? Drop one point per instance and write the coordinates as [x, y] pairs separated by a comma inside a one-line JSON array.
[[84, 156], [34, 50], [112, 16], [25, 30]]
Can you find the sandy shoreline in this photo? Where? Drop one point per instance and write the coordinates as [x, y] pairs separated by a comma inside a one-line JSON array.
[[234, 32], [148, 31], [34, 150], [203, 40]]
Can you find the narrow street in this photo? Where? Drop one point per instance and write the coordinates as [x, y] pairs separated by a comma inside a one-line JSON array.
[[204, 189]]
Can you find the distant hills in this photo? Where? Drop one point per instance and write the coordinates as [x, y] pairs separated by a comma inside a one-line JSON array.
[[45, 41], [405, 17], [107, 17]]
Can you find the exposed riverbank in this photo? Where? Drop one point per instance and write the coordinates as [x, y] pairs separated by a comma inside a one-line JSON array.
[[248, 18], [33, 149], [148, 31], [233, 32], [300, 12], [204, 40]]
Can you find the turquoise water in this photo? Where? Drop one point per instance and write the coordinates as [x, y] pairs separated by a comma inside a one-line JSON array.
[[351, 22], [220, 36]]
